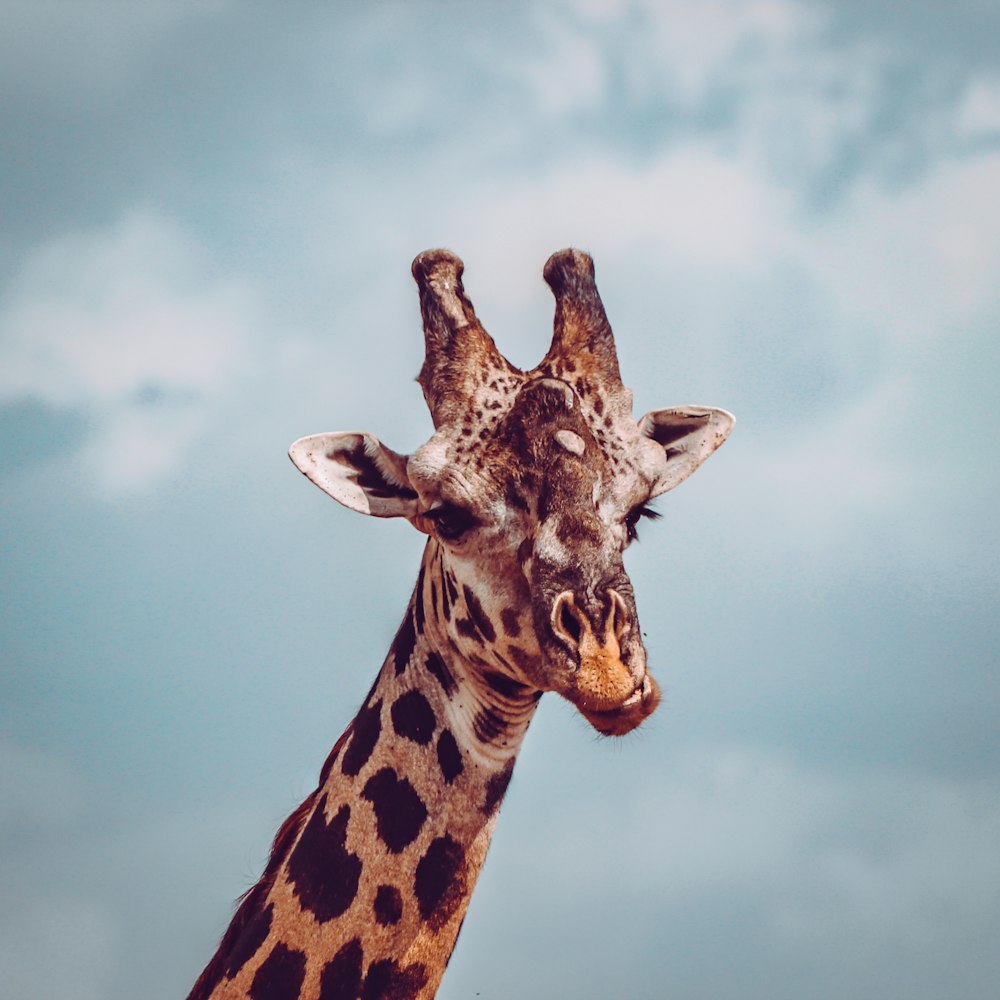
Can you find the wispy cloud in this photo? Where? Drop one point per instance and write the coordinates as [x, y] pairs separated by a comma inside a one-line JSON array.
[[979, 111], [920, 262], [126, 328]]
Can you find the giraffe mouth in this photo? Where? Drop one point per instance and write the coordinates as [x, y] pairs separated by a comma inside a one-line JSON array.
[[630, 714]]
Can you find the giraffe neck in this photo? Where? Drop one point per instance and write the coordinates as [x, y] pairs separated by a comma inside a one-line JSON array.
[[370, 878]]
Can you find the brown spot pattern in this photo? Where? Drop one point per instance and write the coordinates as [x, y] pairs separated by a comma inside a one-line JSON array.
[[249, 943], [402, 645], [399, 811], [479, 616], [439, 882], [496, 788], [388, 905], [449, 756], [439, 669], [388, 980], [341, 976], [323, 873], [509, 618], [364, 735], [280, 976], [413, 718]]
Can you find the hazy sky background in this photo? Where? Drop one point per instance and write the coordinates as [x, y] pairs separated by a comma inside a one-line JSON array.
[[207, 217]]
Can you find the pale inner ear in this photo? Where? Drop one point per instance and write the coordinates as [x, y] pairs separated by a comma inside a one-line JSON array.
[[688, 435], [357, 470]]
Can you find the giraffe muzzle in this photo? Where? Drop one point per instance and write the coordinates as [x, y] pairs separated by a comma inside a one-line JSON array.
[[612, 696]]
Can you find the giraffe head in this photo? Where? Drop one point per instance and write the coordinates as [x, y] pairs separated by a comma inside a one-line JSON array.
[[530, 489]]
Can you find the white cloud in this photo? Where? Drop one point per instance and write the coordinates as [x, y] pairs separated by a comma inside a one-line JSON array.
[[691, 209], [979, 111], [124, 327], [919, 263], [101, 316], [678, 48], [695, 41], [568, 74]]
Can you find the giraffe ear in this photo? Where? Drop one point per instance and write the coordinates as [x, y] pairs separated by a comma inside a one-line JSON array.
[[688, 435], [357, 470]]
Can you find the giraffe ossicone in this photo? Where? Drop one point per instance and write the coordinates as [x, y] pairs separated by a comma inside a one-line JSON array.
[[529, 490]]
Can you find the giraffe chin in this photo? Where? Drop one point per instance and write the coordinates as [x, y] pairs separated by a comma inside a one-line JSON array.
[[633, 711]]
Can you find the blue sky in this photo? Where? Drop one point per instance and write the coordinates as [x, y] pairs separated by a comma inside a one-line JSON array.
[[207, 216]]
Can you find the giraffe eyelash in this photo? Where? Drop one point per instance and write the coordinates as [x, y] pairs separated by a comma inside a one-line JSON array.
[[633, 518]]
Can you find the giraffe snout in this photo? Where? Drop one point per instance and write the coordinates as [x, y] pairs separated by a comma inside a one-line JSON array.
[[604, 682]]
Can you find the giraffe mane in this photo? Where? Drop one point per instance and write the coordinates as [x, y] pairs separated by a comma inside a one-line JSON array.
[[248, 904]]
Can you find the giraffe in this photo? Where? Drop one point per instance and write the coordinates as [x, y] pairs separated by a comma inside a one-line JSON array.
[[529, 491]]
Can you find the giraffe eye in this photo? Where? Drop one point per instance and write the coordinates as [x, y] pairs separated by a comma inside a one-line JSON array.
[[632, 520], [451, 521]]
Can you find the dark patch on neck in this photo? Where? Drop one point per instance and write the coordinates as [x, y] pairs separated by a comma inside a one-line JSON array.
[[249, 943], [467, 627], [449, 756], [388, 980], [439, 669], [488, 725], [413, 718], [388, 905], [280, 976], [418, 602], [510, 620], [399, 811], [496, 788], [506, 686], [365, 732], [331, 759], [402, 645], [341, 976], [439, 881], [451, 586], [434, 598], [323, 873], [479, 616], [445, 603]]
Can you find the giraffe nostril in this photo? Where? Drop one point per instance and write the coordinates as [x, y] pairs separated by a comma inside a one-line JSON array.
[[619, 619], [567, 620]]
